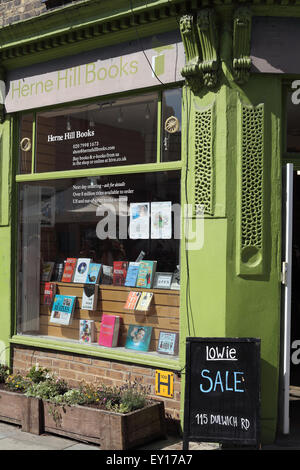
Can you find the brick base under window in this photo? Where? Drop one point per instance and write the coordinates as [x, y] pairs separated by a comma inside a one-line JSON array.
[[75, 369]]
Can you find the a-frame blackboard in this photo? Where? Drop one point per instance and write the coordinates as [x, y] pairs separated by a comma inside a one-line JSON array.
[[222, 391]]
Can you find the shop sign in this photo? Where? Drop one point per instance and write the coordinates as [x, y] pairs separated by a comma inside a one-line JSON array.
[[164, 383], [222, 390], [137, 64]]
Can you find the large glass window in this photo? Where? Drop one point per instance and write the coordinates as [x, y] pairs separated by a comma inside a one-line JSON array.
[[125, 225], [116, 132]]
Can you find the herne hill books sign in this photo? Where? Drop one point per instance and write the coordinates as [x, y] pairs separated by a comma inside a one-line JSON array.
[[222, 396], [128, 66]]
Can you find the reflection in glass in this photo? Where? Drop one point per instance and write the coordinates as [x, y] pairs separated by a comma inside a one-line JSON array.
[[115, 132], [293, 125], [171, 125], [89, 218], [25, 144]]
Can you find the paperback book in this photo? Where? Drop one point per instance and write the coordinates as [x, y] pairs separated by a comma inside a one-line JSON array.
[[69, 269], [93, 274], [168, 343], [89, 296], [132, 300], [144, 301], [86, 331], [81, 271], [162, 280], [138, 337], [132, 274], [119, 273], [47, 270], [107, 275], [63, 309], [49, 293], [146, 274], [109, 331], [58, 271]]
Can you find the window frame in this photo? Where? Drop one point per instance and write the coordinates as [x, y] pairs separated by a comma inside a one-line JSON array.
[[150, 358]]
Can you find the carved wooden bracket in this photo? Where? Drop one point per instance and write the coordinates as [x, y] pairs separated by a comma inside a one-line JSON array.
[[241, 44], [191, 70], [208, 36]]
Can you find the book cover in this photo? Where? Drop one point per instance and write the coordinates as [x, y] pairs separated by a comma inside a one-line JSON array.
[[138, 337], [132, 274], [146, 274], [119, 273], [89, 297], [58, 271], [175, 284], [69, 269], [162, 280], [132, 300], [49, 293], [109, 331], [144, 301], [106, 275], [86, 331], [168, 343], [93, 274], [81, 271], [62, 309], [47, 270]]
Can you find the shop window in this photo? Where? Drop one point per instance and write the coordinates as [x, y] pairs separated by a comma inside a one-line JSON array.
[[171, 125], [25, 150], [101, 220], [116, 132], [292, 122]]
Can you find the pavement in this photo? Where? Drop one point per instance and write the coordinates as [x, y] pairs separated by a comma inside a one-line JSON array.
[[12, 438]]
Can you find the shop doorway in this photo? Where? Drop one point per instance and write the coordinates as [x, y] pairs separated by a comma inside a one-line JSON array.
[[291, 302]]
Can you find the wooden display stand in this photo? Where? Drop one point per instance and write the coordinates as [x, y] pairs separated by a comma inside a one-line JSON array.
[[163, 313]]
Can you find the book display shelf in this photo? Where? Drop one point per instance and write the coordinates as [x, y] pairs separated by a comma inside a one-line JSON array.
[[163, 313]]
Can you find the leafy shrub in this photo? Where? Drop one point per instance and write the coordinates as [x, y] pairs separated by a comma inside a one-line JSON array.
[[4, 371], [38, 374], [47, 389]]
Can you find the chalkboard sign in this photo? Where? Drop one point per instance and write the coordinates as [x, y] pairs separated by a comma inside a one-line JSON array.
[[222, 391]]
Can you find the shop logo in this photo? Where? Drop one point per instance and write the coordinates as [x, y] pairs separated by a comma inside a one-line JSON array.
[[296, 94]]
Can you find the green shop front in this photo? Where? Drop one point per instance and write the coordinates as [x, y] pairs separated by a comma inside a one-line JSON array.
[[164, 132]]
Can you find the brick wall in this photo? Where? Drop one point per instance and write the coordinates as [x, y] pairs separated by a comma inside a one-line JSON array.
[[18, 10], [75, 369]]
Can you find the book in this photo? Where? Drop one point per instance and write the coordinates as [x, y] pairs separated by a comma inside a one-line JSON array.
[[132, 274], [86, 331], [63, 309], [81, 270], [58, 271], [144, 301], [49, 293], [119, 272], [146, 274], [168, 343], [138, 337], [132, 300], [93, 274], [106, 275], [162, 280], [69, 269], [89, 296], [175, 284], [47, 270], [109, 331]]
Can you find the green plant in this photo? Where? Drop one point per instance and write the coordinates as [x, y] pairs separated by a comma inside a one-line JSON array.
[[38, 374], [4, 372], [16, 382], [48, 389]]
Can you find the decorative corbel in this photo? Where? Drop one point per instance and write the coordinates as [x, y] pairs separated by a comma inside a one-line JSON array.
[[242, 21], [191, 70], [208, 37]]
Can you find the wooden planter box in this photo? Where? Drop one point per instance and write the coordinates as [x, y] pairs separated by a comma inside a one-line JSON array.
[[111, 431], [18, 409]]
